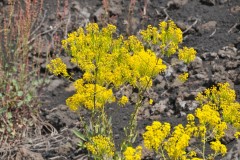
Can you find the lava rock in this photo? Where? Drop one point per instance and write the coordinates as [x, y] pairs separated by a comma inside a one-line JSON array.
[[208, 2], [54, 84]]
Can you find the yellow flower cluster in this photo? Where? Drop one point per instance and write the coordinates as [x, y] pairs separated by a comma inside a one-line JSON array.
[[222, 99], [133, 154], [187, 55], [151, 35], [101, 147], [89, 96], [57, 67], [169, 36], [107, 60], [209, 122], [237, 135], [220, 94], [177, 143], [218, 147], [211, 119], [183, 77], [123, 100], [155, 135]]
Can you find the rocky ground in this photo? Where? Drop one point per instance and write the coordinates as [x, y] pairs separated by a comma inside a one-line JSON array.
[[212, 27]]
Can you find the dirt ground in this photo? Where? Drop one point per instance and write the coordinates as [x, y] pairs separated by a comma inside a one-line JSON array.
[[212, 27]]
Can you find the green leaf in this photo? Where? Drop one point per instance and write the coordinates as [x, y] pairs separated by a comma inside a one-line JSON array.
[[20, 93], [9, 115], [28, 97], [19, 104], [3, 110], [134, 138], [15, 84], [80, 135]]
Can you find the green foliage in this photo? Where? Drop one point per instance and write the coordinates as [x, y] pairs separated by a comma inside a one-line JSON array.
[[19, 81]]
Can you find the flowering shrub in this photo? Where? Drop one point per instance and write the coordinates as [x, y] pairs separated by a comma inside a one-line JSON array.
[[207, 124], [109, 62]]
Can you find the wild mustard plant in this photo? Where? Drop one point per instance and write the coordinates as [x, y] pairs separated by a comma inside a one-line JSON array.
[[207, 124], [108, 62]]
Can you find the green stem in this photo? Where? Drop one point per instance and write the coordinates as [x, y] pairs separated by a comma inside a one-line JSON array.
[[204, 146]]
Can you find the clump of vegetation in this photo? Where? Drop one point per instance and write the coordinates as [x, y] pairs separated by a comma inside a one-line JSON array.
[[208, 125], [109, 62], [19, 78]]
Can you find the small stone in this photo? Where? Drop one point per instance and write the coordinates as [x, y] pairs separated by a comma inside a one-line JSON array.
[[209, 56], [52, 17], [176, 3], [155, 117], [65, 148], [134, 97], [227, 52], [192, 105], [169, 71], [232, 65], [76, 6], [237, 81], [158, 108], [161, 85], [222, 1], [235, 9], [116, 136], [146, 113], [69, 65], [63, 107], [180, 104], [201, 76], [209, 26], [182, 114], [158, 79], [208, 2], [54, 84], [197, 63], [170, 113], [38, 60], [70, 88], [229, 134], [98, 14]]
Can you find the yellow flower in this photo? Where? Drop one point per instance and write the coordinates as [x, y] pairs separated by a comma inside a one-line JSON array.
[[171, 37], [218, 147], [183, 77], [155, 135], [87, 94], [187, 54], [100, 146], [150, 101], [57, 67], [177, 143], [123, 100], [133, 154], [237, 135]]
